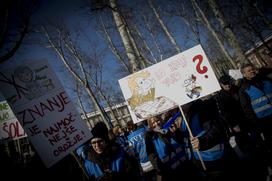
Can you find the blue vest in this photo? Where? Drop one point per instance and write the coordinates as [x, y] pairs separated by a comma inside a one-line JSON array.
[[212, 154], [93, 169], [180, 151], [261, 101], [137, 141], [172, 159]]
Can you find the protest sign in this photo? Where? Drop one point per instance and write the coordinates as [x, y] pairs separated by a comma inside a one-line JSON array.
[[175, 81], [10, 128], [235, 74], [5, 112], [44, 109]]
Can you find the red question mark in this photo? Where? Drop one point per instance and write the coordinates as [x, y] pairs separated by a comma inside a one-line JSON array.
[[199, 69]]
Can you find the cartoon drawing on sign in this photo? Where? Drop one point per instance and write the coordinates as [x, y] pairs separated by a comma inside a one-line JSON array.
[[35, 88], [143, 101], [191, 87], [142, 88]]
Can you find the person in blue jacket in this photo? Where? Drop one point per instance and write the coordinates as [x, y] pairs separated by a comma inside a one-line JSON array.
[[107, 161], [166, 152], [209, 139]]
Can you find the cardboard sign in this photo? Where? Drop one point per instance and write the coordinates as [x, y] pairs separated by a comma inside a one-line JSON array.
[[43, 108], [175, 81]]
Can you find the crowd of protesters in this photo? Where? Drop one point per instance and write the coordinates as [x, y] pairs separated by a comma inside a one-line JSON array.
[[229, 138]]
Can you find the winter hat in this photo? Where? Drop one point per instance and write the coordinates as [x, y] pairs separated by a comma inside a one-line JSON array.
[[100, 130], [225, 79]]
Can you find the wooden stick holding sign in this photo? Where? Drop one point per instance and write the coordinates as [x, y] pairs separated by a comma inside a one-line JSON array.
[[192, 136]]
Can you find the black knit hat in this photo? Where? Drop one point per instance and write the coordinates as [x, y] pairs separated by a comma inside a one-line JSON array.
[[225, 79], [100, 130]]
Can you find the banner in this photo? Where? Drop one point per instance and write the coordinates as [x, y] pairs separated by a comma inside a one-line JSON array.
[[44, 110], [175, 81]]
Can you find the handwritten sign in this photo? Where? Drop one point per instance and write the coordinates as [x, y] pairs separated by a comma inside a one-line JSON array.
[[11, 130], [44, 110], [175, 81]]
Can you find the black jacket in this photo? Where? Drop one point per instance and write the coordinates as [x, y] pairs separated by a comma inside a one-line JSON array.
[[229, 107]]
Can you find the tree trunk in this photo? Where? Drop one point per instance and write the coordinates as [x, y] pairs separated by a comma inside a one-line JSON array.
[[84, 82], [113, 47], [164, 27], [214, 34], [122, 28], [231, 38], [91, 123]]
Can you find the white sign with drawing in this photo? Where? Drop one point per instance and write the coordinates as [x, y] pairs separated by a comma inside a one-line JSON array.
[[175, 81], [44, 109]]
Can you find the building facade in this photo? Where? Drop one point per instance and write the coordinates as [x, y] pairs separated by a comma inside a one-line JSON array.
[[261, 54], [121, 116]]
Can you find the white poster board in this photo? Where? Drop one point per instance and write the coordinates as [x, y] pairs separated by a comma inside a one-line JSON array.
[[43, 108], [10, 128], [235, 74], [175, 81]]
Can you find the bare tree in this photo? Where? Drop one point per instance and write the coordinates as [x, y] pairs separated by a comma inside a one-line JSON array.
[[65, 48], [206, 22], [230, 36], [112, 46], [79, 95], [164, 27], [190, 20], [125, 36], [152, 33], [12, 36]]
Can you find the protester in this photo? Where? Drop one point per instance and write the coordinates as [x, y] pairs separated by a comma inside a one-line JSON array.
[[256, 101], [167, 155], [177, 131], [137, 142], [232, 117], [107, 161], [208, 139], [121, 139]]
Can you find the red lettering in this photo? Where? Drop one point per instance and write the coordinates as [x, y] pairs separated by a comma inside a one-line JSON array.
[[35, 112], [12, 132], [5, 128], [34, 130], [18, 128], [54, 139], [64, 98]]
